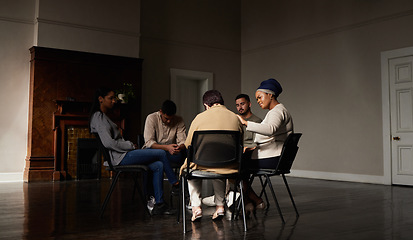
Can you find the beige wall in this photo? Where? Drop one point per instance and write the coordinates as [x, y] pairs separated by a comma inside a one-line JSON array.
[[201, 36], [92, 26], [106, 27], [16, 37], [191, 35], [326, 54]]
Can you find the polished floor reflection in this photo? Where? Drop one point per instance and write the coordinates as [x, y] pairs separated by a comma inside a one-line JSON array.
[[328, 210]]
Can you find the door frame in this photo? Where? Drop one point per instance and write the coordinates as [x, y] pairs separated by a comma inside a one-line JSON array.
[[385, 83], [205, 79]]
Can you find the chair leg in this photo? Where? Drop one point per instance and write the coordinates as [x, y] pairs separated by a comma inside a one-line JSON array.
[[291, 196], [236, 205], [142, 196], [234, 208], [251, 180], [112, 187], [135, 185], [264, 185], [183, 203], [275, 198], [243, 206], [178, 214]]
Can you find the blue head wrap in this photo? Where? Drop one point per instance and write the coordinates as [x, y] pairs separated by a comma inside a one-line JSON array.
[[271, 86]]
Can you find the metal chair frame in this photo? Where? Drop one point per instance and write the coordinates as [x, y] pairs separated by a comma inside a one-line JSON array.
[[287, 157], [189, 174], [117, 170]]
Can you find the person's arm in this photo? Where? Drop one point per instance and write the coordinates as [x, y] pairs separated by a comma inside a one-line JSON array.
[[101, 125], [192, 128], [181, 135], [242, 120], [171, 148], [149, 131], [270, 126]]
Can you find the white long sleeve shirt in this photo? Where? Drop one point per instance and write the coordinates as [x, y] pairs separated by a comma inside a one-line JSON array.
[[271, 132]]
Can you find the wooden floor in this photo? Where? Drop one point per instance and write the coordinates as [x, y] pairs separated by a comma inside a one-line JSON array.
[[328, 210]]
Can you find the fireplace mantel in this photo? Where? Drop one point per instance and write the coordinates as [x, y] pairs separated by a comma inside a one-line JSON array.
[[72, 76], [74, 114]]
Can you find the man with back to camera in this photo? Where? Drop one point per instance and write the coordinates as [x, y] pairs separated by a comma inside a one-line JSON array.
[[243, 104]]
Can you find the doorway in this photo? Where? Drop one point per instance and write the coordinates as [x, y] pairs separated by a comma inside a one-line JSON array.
[[187, 89], [397, 94]]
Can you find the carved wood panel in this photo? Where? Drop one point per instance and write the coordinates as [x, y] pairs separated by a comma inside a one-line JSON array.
[[61, 75]]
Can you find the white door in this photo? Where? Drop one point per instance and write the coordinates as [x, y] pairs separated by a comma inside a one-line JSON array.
[[401, 119], [187, 89]]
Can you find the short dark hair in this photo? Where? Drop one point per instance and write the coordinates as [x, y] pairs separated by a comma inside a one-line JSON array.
[[211, 97], [242, 95], [169, 108]]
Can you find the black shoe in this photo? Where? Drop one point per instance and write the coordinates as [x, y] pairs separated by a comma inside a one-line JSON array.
[[175, 191], [162, 209]]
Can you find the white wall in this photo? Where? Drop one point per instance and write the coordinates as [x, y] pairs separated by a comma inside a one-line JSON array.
[[97, 26], [326, 54], [108, 27], [192, 35], [16, 28]]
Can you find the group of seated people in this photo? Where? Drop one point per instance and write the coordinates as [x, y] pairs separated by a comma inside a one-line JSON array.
[[166, 142]]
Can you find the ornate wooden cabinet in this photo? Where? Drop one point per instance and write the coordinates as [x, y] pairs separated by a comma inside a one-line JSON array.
[[62, 85]]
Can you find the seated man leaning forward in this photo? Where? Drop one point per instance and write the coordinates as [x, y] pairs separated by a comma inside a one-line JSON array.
[[165, 130], [215, 117]]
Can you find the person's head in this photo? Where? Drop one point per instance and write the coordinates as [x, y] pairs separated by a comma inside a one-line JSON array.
[[267, 93], [168, 111], [212, 97], [103, 100], [243, 104]]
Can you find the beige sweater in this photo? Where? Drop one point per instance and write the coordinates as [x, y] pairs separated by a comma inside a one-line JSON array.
[[218, 117]]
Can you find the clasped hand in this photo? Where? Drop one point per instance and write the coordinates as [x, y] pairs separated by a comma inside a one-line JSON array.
[[173, 149]]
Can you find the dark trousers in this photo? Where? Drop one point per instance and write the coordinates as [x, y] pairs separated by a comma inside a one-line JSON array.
[[266, 163]]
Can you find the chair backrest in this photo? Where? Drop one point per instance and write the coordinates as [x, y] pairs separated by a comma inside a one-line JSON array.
[[104, 151], [288, 153], [215, 148], [140, 141]]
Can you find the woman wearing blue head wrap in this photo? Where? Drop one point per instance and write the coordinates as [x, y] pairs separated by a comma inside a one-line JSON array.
[[270, 135]]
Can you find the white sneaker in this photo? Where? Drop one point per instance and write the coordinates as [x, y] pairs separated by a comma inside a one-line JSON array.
[[151, 203], [230, 198], [209, 201]]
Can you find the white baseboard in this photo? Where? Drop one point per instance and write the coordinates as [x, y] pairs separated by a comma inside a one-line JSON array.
[[18, 177], [339, 176], [11, 177]]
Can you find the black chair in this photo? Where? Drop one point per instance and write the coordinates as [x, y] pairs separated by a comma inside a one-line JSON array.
[[214, 148], [117, 170], [288, 153]]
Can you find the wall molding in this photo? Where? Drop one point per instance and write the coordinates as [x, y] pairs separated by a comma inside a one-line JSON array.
[[90, 28], [347, 177], [11, 177], [16, 20], [328, 32], [188, 45]]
